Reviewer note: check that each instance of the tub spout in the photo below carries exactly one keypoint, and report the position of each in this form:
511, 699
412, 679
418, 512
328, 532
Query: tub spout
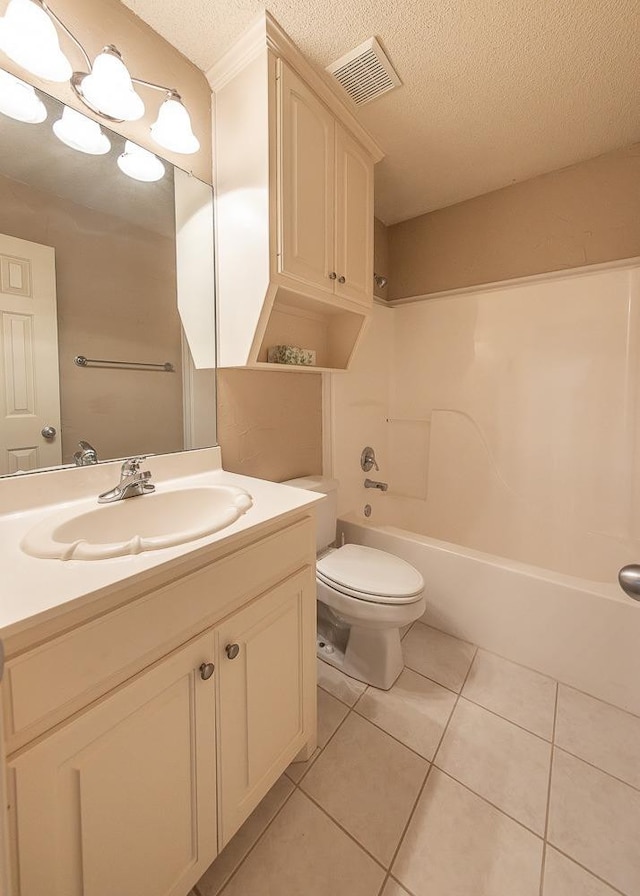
371, 483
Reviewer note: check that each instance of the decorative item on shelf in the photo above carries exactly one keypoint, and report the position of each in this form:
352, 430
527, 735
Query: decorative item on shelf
291, 354
29, 37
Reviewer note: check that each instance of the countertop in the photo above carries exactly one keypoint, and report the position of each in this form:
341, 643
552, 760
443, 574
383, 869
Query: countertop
34, 590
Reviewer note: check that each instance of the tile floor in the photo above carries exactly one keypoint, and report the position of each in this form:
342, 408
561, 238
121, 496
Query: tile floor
472, 776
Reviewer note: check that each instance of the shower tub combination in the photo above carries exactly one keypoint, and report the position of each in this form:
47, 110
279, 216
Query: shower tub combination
583, 633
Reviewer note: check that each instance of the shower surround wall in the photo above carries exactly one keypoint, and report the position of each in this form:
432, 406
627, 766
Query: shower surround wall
506, 420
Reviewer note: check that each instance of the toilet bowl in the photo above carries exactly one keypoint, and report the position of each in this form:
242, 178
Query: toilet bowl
365, 596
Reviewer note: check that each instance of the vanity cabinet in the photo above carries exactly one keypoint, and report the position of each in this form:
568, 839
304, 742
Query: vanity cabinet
325, 201
123, 798
189, 700
260, 698
294, 207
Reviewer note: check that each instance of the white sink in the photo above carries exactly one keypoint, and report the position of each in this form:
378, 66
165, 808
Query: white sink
144, 523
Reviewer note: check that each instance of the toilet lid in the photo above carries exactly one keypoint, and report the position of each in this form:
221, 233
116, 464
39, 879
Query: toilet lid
370, 574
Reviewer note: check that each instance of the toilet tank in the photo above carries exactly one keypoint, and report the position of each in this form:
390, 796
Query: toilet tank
326, 511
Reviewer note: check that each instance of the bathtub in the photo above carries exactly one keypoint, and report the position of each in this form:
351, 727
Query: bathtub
585, 634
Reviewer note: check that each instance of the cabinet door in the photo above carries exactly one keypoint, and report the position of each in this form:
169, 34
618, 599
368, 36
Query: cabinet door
306, 183
121, 800
354, 220
266, 696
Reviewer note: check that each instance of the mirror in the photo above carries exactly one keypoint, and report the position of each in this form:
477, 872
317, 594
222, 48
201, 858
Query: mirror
97, 265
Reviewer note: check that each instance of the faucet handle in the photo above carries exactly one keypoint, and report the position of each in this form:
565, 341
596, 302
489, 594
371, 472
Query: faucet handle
131, 465
368, 460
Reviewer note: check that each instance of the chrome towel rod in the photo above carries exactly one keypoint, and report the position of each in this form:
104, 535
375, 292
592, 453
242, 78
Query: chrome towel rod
166, 367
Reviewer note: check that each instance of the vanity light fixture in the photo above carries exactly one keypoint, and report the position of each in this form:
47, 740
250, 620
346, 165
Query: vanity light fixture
81, 133
19, 100
107, 88
139, 163
173, 126
28, 36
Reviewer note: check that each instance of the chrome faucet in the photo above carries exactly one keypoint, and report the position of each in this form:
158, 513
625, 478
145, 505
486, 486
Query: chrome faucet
133, 481
371, 483
86, 455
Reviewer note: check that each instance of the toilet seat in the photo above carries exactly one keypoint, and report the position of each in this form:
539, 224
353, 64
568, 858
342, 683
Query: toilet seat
370, 575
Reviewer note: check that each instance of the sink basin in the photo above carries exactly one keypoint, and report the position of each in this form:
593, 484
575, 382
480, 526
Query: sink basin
145, 523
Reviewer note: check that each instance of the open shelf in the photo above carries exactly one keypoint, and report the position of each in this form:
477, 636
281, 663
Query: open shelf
328, 328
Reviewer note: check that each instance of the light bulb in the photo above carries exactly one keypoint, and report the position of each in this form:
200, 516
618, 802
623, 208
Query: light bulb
108, 89
19, 100
28, 37
81, 133
139, 163
172, 130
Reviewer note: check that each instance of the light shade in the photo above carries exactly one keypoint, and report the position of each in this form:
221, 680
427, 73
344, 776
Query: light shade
81, 133
139, 163
29, 38
108, 89
172, 130
19, 100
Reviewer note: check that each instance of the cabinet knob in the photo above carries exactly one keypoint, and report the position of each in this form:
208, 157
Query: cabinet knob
206, 671
332, 275
341, 280
232, 651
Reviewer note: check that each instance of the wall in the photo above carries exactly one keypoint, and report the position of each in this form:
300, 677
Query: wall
585, 214
359, 407
148, 56
513, 420
270, 424
380, 257
121, 412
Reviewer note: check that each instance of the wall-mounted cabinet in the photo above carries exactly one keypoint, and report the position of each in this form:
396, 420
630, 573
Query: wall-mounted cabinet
294, 193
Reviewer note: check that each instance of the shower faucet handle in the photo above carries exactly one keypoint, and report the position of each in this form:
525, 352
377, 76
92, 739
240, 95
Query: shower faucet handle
368, 460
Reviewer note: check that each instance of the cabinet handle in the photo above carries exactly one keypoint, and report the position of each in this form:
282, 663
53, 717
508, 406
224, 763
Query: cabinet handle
332, 275
206, 671
232, 651
341, 280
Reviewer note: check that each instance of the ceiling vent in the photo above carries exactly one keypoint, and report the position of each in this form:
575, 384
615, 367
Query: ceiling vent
365, 73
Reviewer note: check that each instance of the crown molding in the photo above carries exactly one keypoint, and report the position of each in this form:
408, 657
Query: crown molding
266, 33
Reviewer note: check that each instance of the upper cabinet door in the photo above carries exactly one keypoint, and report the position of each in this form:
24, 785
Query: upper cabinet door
306, 183
354, 220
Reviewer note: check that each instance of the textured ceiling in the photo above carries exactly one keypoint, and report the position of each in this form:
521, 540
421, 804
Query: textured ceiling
495, 91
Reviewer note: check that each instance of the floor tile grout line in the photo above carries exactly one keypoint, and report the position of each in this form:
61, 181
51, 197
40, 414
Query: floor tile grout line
397, 739
352, 836
627, 712
507, 659
548, 808
433, 680
588, 870
335, 696
426, 777
253, 845
597, 768
546, 740
342, 828
295, 786
488, 802
448, 634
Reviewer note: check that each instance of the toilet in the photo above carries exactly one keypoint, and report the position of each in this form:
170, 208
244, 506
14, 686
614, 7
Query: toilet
365, 596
